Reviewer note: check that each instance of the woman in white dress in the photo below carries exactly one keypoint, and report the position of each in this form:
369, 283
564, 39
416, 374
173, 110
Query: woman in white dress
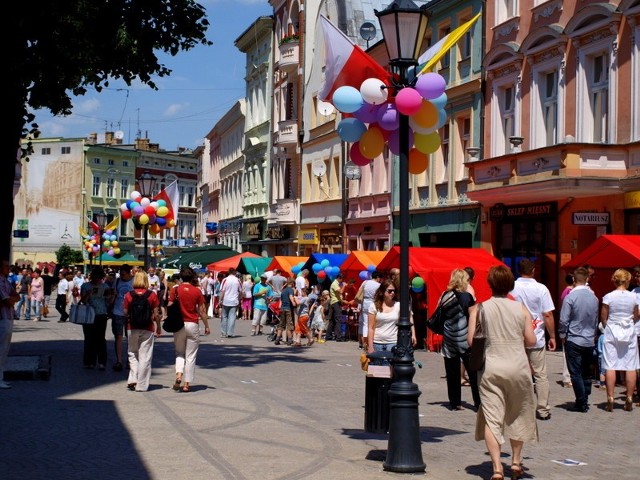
619, 314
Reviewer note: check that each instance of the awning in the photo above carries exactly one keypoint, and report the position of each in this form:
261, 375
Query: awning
198, 257
605, 255
231, 262
360, 260
254, 266
284, 263
435, 265
33, 258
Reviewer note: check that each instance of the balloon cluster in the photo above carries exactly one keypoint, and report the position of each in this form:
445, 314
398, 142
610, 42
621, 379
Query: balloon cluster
375, 119
366, 274
324, 270
145, 211
108, 243
417, 284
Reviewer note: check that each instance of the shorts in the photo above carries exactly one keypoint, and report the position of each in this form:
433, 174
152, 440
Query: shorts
259, 317
118, 324
246, 303
286, 320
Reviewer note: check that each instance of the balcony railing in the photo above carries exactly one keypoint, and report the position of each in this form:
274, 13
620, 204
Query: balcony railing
287, 132
289, 56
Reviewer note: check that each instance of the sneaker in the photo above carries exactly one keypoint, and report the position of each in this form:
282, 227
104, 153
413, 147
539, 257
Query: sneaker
321, 341
543, 417
5, 385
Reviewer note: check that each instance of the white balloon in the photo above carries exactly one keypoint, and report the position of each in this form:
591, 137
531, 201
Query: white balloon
135, 194
372, 91
124, 207
145, 202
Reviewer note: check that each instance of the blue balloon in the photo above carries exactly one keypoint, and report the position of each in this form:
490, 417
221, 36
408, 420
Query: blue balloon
325, 263
417, 290
347, 99
440, 101
295, 269
442, 118
371, 268
328, 269
363, 275
316, 267
351, 129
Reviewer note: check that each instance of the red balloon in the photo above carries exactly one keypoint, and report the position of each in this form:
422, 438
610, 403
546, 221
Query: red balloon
356, 155
149, 210
321, 275
126, 214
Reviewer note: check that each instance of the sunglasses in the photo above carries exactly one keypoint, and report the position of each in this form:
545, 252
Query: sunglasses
390, 290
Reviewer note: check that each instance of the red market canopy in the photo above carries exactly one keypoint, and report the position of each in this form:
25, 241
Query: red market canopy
231, 262
605, 255
285, 264
360, 260
434, 265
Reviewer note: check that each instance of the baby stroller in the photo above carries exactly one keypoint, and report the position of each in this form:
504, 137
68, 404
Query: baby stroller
273, 318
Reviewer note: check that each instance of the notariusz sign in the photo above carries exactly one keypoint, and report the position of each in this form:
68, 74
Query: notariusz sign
591, 218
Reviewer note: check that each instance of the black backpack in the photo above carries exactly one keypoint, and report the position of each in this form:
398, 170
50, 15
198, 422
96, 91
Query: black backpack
140, 310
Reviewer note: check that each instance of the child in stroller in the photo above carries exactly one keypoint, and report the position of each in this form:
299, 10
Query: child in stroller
273, 317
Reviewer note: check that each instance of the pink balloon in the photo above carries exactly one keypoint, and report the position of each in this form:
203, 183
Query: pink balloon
388, 118
356, 156
408, 101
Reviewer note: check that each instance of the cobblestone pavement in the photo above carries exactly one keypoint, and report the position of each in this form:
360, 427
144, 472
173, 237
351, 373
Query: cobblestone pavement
261, 411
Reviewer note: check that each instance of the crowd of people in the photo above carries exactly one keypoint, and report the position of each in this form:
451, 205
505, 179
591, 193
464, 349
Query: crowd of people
599, 336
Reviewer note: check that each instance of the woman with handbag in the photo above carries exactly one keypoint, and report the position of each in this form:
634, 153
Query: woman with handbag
454, 345
95, 293
187, 339
508, 403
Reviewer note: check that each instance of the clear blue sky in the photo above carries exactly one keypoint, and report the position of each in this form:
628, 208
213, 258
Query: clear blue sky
205, 83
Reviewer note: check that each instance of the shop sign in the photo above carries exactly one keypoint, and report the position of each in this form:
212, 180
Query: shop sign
277, 233
307, 237
330, 237
632, 200
253, 230
591, 218
511, 212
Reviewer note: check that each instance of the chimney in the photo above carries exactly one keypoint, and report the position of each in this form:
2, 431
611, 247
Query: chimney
93, 137
142, 144
108, 138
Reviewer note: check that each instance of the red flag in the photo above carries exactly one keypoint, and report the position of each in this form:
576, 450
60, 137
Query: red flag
346, 64
93, 225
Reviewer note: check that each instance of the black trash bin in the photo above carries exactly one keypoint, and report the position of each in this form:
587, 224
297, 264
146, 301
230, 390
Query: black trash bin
376, 399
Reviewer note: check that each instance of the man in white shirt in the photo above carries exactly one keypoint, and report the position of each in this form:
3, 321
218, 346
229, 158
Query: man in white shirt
230, 294
154, 280
302, 281
537, 298
63, 294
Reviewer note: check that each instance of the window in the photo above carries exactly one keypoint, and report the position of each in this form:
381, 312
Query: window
445, 61
598, 86
549, 101
111, 182
507, 113
190, 196
96, 186
46, 151
125, 163
444, 147
505, 10
124, 188
111, 162
65, 150
181, 189
465, 47
96, 160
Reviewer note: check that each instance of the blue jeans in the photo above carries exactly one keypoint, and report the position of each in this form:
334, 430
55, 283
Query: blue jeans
37, 308
26, 301
382, 347
228, 321
579, 364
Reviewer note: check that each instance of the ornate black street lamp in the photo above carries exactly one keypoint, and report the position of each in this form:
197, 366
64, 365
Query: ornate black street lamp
101, 221
146, 187
403, 26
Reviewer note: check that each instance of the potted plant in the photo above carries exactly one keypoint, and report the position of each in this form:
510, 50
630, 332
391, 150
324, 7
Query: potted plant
291, 38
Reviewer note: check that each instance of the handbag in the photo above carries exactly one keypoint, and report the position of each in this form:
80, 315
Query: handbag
476, 350
82, 314
174, 322
359, 298
436, 321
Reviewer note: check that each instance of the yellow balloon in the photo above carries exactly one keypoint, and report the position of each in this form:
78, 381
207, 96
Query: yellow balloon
143, 219
171, 223
427, 143
372, 143
162, 211
116, 251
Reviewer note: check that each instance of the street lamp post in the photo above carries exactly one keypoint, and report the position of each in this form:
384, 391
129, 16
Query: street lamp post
146, 186
403, 26
101, 221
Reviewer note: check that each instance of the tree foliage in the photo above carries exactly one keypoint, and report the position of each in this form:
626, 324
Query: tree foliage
65, 255
61, 48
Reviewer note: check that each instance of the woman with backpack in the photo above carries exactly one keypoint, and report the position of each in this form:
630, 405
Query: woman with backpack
141, 306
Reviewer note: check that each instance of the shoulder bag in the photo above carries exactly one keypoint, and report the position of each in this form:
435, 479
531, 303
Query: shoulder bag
359, 298
82, 314
174, 322
476, 350
436, 321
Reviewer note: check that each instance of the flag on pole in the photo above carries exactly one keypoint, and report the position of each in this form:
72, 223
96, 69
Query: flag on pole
93, 225
346, 64
171, 195
113, 224
429, 58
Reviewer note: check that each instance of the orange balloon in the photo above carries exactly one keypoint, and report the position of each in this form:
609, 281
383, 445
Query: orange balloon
427, 116
371, 143
418, 161
154, 229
